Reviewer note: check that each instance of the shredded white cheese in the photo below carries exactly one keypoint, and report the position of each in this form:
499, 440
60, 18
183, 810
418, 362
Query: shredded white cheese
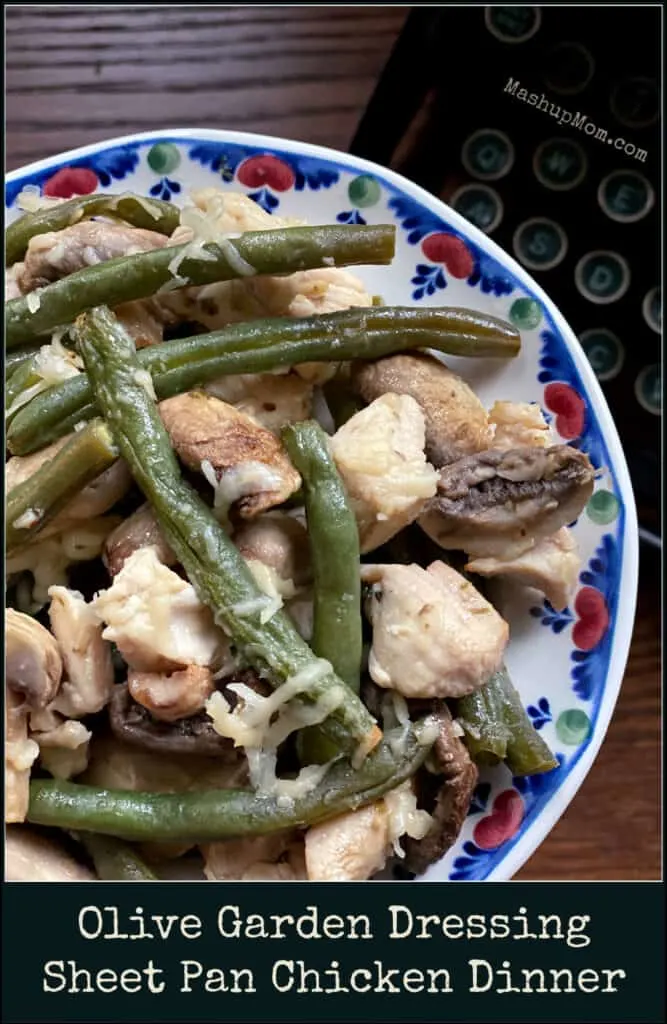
53, 364
404, 816
33, 301
30, 200
144, 378
29, 518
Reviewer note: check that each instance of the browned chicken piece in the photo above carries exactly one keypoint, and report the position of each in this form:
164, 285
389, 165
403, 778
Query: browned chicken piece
251, 468
518, 425
140, 530
31, 857
280, 542
86, 656
379, 453
95, 499
434, 635
57, 254
277, 857
449, 805
456, 421
551, 566
156, 619
499, 503
169, 697
272, 399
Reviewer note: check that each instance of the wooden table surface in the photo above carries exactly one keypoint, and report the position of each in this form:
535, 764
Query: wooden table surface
78, 75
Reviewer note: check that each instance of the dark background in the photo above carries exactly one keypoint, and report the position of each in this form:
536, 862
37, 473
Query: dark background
77, 75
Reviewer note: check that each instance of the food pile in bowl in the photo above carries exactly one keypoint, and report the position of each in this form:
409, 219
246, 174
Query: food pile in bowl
253, 524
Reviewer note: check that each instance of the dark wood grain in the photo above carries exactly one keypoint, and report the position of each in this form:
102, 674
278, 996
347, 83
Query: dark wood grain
77, 75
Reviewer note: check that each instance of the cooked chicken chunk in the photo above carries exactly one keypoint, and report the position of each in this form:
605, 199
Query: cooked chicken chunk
272, 399
143, 320
434, 635
86, 656
63, 750
156, 619
251, 468
20, 755
552, 567
58, 253
31, 857
349, 848
95, 499
499, 503
169, 697
456, 421
277, 857
140, 530
280, 542
379, 453
518, 425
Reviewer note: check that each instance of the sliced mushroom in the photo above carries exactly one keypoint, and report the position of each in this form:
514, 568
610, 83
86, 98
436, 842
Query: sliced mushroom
456, 421
272, 399
280, 542
251, 468
171, 697
434, 635
449, 805
33, 665
552, 567
115, 764
518, 425
86, 655
499, 503
58, 253
20, 755
156, 619
95, 499
31, 857
136, 726
379, 453
140, 530
277, 857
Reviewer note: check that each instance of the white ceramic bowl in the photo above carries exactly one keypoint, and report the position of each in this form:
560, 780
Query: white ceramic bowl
568, 666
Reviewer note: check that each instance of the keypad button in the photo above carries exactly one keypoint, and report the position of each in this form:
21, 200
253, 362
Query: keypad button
635, 102
487, 154
604, 351
513, 24
648, 389
625, 196
652, 310
540, 244
560, 164
479, 204
569, 68
602, 277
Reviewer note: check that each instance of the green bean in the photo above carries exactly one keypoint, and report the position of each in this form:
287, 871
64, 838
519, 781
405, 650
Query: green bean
17, 358
225, 813
138, 276
20, 382
497, 727
33, 503
334, 552
213, 564
115, 860
270, 344
153, 214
